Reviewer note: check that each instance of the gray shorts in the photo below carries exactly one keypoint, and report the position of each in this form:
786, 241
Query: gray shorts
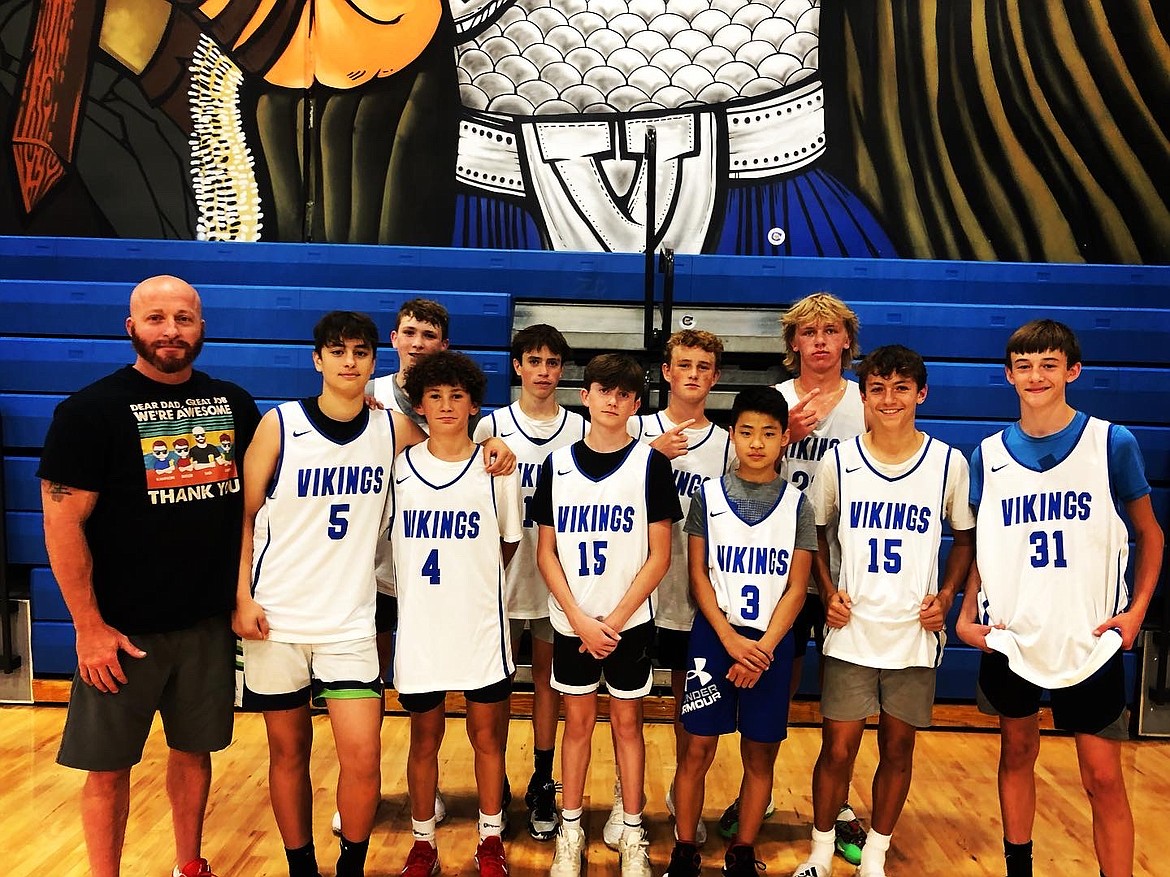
540, 628
852, 692
187, 675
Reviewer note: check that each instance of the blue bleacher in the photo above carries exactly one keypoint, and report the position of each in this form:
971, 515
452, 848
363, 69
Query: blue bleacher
63, 307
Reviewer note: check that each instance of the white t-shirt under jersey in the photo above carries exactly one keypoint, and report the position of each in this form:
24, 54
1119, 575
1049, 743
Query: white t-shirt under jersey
709, 455
449, 518
1051, 550
802, 459
313, 548
889, 518
531, 441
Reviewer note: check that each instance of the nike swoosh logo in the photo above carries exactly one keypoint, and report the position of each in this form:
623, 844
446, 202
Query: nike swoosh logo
1000, 466
717, 514
404, 478
507, 434
651, 435
566, 472
301, 433
849, 471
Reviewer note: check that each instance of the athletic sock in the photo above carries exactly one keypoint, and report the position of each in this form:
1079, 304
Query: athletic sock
1018, 858
352, 860
542, 765
491, 826
423, 830
824, 844
873, 854
572, 818
302, 862
632, 820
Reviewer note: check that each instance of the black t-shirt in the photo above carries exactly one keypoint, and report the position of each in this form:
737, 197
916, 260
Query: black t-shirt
165, 532
661, 494
340, 431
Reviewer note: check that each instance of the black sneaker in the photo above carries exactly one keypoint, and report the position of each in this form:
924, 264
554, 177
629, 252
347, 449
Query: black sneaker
850, 835
504, 800
541, 801
741, 861
684, 861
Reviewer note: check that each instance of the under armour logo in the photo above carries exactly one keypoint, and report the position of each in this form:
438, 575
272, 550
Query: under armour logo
698, 673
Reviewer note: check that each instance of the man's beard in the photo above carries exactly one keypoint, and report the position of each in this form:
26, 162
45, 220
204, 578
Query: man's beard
168, 365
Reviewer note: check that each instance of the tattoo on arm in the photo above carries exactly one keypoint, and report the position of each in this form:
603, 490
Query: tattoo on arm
57, 492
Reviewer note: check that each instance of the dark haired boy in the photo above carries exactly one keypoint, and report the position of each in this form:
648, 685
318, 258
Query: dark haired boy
1047, 599
533, 427
605, 506
751, 541
303, 525
420, 329
885, 495
455, 528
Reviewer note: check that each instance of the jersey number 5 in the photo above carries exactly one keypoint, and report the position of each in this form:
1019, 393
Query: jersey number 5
338, 523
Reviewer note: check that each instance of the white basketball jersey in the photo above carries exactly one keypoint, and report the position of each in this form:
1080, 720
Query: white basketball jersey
313, 549
749, 563
803, 458
1051, 550
890, 530
602, 534
846, 420
708, 455
448, 522
531, 441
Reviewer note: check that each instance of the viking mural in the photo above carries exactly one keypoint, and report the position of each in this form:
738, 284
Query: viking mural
1006, 130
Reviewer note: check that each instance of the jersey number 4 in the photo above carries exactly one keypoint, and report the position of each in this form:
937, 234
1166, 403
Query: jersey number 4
430, 567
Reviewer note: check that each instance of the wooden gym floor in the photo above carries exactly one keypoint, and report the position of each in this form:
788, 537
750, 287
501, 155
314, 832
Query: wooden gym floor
950, 824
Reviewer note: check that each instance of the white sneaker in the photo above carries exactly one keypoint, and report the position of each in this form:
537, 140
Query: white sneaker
616, 823
633, 853
700, 829
812, 869
569, 852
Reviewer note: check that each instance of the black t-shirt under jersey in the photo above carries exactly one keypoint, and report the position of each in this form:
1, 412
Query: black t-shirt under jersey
165, 532
340, 431
661, 494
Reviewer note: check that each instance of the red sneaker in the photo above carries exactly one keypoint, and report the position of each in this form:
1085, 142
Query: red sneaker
489, 857
194, 868
423, 860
